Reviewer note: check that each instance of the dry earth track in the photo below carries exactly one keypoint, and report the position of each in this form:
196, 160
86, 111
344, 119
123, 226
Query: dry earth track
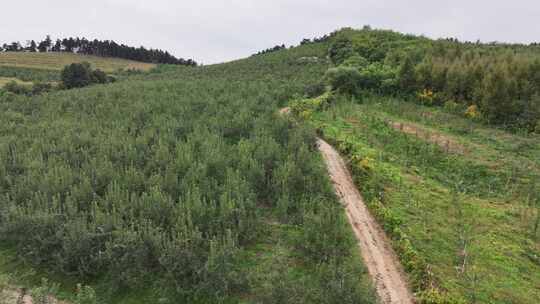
379, 257
375, 247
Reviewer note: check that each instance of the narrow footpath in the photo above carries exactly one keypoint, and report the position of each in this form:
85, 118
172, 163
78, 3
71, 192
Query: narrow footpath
379, 257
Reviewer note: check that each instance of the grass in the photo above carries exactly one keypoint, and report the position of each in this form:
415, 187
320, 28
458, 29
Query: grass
4, 80
466, 215
56, 61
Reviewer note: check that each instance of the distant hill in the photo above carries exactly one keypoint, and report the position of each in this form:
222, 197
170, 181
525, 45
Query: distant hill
101, 48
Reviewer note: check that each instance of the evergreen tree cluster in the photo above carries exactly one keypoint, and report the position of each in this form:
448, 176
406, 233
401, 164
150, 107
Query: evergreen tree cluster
501, 80
105, 48
324, 38
272, 49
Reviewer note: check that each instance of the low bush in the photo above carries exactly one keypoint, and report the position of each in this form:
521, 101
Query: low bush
78, 75
345, 80
19, 89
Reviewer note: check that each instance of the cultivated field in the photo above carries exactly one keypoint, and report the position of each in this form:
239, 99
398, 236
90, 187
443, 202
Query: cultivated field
4, 80
56, 61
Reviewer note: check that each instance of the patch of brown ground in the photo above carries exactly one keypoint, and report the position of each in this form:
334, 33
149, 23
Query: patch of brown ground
445, 142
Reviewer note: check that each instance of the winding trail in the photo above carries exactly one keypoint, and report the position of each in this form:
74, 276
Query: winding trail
379, 257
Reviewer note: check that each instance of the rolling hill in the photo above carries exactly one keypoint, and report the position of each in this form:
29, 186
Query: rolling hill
186, 184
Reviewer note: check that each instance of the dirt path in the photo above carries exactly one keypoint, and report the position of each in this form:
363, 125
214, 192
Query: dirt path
380, 259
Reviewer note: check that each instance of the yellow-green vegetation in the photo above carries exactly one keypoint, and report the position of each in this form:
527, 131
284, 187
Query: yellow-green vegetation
57, 61
465, 225
5, 80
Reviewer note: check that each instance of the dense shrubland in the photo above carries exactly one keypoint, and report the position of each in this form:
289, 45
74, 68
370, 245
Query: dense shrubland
500, 82
184, 180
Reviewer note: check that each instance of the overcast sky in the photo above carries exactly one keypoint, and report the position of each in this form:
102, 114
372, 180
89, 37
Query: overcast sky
211, 31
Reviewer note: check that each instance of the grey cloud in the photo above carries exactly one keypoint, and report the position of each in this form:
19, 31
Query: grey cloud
219, 30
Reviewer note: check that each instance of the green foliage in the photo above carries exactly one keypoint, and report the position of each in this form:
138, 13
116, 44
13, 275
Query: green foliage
500, 79
78, 75
16, 88
29, 74
85, 295
340, 49
305, 107
450, 246
98, 76
406, 76
344, 80
356, 61
166, 181
44, 294
28, 90
326, 236
378, 78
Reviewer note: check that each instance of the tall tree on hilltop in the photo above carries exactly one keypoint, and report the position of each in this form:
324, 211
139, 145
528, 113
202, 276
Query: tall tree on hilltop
32, 47
45, 45
406, 75
57, 46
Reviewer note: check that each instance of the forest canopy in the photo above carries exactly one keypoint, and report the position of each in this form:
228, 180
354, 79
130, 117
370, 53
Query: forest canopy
498, 83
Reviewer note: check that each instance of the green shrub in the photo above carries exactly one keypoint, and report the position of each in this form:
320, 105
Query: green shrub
326, 235
41, 87
379, 78
16, 88
344, 80
98, 76
314, 90
76, 75
340, 50
45, 293
85, 295
356, 61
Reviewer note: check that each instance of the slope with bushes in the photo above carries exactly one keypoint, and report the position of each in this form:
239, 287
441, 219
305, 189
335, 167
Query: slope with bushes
180, 185
499, 82
449, 166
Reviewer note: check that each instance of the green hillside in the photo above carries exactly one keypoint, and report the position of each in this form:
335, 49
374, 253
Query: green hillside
182, 185
185, 185
449, 165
